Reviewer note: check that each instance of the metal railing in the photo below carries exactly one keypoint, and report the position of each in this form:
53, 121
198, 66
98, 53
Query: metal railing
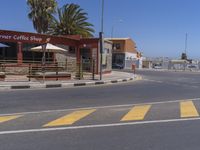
35, 69
50, 70
85, 69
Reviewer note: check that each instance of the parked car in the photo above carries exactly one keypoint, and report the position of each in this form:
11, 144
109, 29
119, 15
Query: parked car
157, 66
192, 66
117, 66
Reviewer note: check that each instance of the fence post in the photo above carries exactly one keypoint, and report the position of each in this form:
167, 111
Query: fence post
79, 70
29, 72
66, 67
43, 72
1, 68
56, 71
93, 69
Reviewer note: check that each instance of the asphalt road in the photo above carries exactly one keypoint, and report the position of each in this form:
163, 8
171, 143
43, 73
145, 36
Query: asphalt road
156, 86
29, 118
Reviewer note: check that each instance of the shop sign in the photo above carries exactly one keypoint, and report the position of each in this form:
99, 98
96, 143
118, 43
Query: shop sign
19, 38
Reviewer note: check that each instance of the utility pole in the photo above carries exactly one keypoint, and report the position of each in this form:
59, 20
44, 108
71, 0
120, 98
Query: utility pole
186, 38
101, 39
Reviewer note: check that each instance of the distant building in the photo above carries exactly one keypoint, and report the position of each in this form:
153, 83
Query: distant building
125, 52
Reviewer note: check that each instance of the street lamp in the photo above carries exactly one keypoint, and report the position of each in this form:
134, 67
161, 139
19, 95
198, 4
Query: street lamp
186, 39
113, 27
101, 39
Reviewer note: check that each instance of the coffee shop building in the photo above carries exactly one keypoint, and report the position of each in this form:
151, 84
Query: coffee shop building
79, 50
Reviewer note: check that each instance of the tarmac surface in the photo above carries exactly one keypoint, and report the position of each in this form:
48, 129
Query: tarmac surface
161, 111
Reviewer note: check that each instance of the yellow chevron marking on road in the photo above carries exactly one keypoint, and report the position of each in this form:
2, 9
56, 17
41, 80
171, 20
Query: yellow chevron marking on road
8, 118
70, 118
188, 109
136, 113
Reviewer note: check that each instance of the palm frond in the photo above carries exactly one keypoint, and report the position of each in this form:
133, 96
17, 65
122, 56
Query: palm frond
71, 20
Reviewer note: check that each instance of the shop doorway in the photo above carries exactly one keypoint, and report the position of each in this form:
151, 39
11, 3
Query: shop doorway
86, 59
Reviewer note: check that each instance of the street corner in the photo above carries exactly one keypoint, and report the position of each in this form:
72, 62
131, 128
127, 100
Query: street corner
111, 81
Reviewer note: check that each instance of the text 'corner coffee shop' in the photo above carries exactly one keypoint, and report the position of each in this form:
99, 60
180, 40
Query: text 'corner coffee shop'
17, 47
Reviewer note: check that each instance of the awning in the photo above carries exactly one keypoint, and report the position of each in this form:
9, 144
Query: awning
3, 45
49, 48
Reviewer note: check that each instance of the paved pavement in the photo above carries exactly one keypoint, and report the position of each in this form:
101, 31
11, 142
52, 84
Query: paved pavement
18, 82
159, 112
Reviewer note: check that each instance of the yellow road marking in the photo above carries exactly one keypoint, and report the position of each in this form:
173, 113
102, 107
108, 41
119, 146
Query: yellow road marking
8, 118
139, 78
70, 118
136, 113
188, 109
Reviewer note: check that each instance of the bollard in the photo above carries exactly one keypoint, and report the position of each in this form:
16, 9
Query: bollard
133, 68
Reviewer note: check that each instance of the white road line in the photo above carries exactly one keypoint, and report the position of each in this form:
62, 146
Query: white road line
95, 126
177, 84
153, 80
101, 107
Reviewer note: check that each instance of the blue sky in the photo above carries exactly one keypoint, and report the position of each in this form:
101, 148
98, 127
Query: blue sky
157, 26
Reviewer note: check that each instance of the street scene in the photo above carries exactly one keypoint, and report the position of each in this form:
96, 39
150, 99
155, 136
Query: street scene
99, 75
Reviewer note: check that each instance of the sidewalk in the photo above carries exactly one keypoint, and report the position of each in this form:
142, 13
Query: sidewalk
114, 77
171, 70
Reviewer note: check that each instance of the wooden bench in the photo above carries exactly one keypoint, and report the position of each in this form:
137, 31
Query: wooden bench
51, 76
34, 69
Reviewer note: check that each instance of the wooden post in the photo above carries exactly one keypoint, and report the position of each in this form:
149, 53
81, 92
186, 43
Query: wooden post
93, 69
19, 53
56, 71
29, 72
78, 63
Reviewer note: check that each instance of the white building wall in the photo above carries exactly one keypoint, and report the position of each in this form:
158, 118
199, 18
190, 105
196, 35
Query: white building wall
131, 58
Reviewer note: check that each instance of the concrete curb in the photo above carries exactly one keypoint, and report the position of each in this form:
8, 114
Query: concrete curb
68, 85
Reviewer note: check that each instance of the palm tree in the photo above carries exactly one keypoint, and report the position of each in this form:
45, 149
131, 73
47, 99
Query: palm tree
41, 13
71, 20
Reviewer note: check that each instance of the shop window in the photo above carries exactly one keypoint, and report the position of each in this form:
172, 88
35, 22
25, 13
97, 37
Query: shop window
116, 46
27, 46
106, 50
